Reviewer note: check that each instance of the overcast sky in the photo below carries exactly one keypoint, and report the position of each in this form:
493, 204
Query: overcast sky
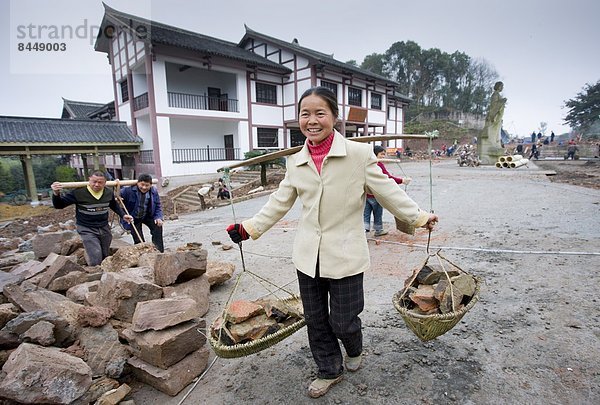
545, 51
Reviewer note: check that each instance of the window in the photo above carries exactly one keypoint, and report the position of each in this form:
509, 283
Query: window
297, 138
124, 91
329, 85
266, 93
376, 101
267, 137
354, 96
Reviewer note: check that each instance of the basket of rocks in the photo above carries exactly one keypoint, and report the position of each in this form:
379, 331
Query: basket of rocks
247, 327
436, 297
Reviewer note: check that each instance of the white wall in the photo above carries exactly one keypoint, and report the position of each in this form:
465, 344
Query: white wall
125, 112
195, 133
145, 132
376, 117
159, 74
266, 115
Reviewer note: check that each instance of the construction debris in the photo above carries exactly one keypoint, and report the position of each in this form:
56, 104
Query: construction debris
138, 314
435, 290
248, 321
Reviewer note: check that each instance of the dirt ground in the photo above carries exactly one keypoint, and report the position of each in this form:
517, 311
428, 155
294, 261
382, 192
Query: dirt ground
533, 337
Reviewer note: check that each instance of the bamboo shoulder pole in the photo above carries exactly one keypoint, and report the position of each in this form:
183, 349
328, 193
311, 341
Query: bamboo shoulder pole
285, 152
111, 183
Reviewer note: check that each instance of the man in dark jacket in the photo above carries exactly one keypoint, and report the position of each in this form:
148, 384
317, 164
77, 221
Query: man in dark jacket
91, 214
143, 203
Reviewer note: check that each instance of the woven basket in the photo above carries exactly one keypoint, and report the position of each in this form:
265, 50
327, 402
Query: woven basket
428, 327
255, 346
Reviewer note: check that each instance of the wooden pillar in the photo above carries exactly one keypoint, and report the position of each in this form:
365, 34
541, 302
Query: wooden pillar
96, 159
86, 172
26, 162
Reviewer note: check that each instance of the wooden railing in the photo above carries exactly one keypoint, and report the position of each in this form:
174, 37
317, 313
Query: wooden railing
207, 154
198, 102
140, 102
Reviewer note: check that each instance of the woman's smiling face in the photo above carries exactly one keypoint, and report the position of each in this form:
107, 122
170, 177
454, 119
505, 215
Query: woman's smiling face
316, 119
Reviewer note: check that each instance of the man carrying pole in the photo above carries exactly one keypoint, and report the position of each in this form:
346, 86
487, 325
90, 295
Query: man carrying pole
143, 203
91, 214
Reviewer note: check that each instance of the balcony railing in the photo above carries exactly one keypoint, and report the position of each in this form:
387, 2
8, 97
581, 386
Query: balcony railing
140, 102
147, 156
197, 102
207, 154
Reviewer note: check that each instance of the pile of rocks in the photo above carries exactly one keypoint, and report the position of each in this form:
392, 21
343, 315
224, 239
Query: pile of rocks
247, 321
435, 291
71, 333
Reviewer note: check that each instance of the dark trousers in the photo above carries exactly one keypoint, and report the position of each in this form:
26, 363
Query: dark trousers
155, 231
96, 242
331, 309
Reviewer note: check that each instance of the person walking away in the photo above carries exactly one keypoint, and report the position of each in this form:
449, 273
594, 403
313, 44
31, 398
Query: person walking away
91, 214
329, 176
203, 194
143, 203
371, 205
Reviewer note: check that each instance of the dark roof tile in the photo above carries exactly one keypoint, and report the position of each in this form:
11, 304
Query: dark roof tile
64, 131
320, 57
78, 109
164, 34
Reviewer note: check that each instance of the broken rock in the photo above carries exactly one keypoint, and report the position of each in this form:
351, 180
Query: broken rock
42, 375
166, 347
172, 380
162, 313
171, 267
121, 293
198, 289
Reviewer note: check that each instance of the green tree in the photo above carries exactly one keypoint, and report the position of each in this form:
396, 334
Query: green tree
44, 169
436, 79
16, 172
65, 173
7, 182
374, 63
584, 111
402, 62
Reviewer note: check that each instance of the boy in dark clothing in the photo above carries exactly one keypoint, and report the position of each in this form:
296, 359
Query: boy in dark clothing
143, 203
91, 214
